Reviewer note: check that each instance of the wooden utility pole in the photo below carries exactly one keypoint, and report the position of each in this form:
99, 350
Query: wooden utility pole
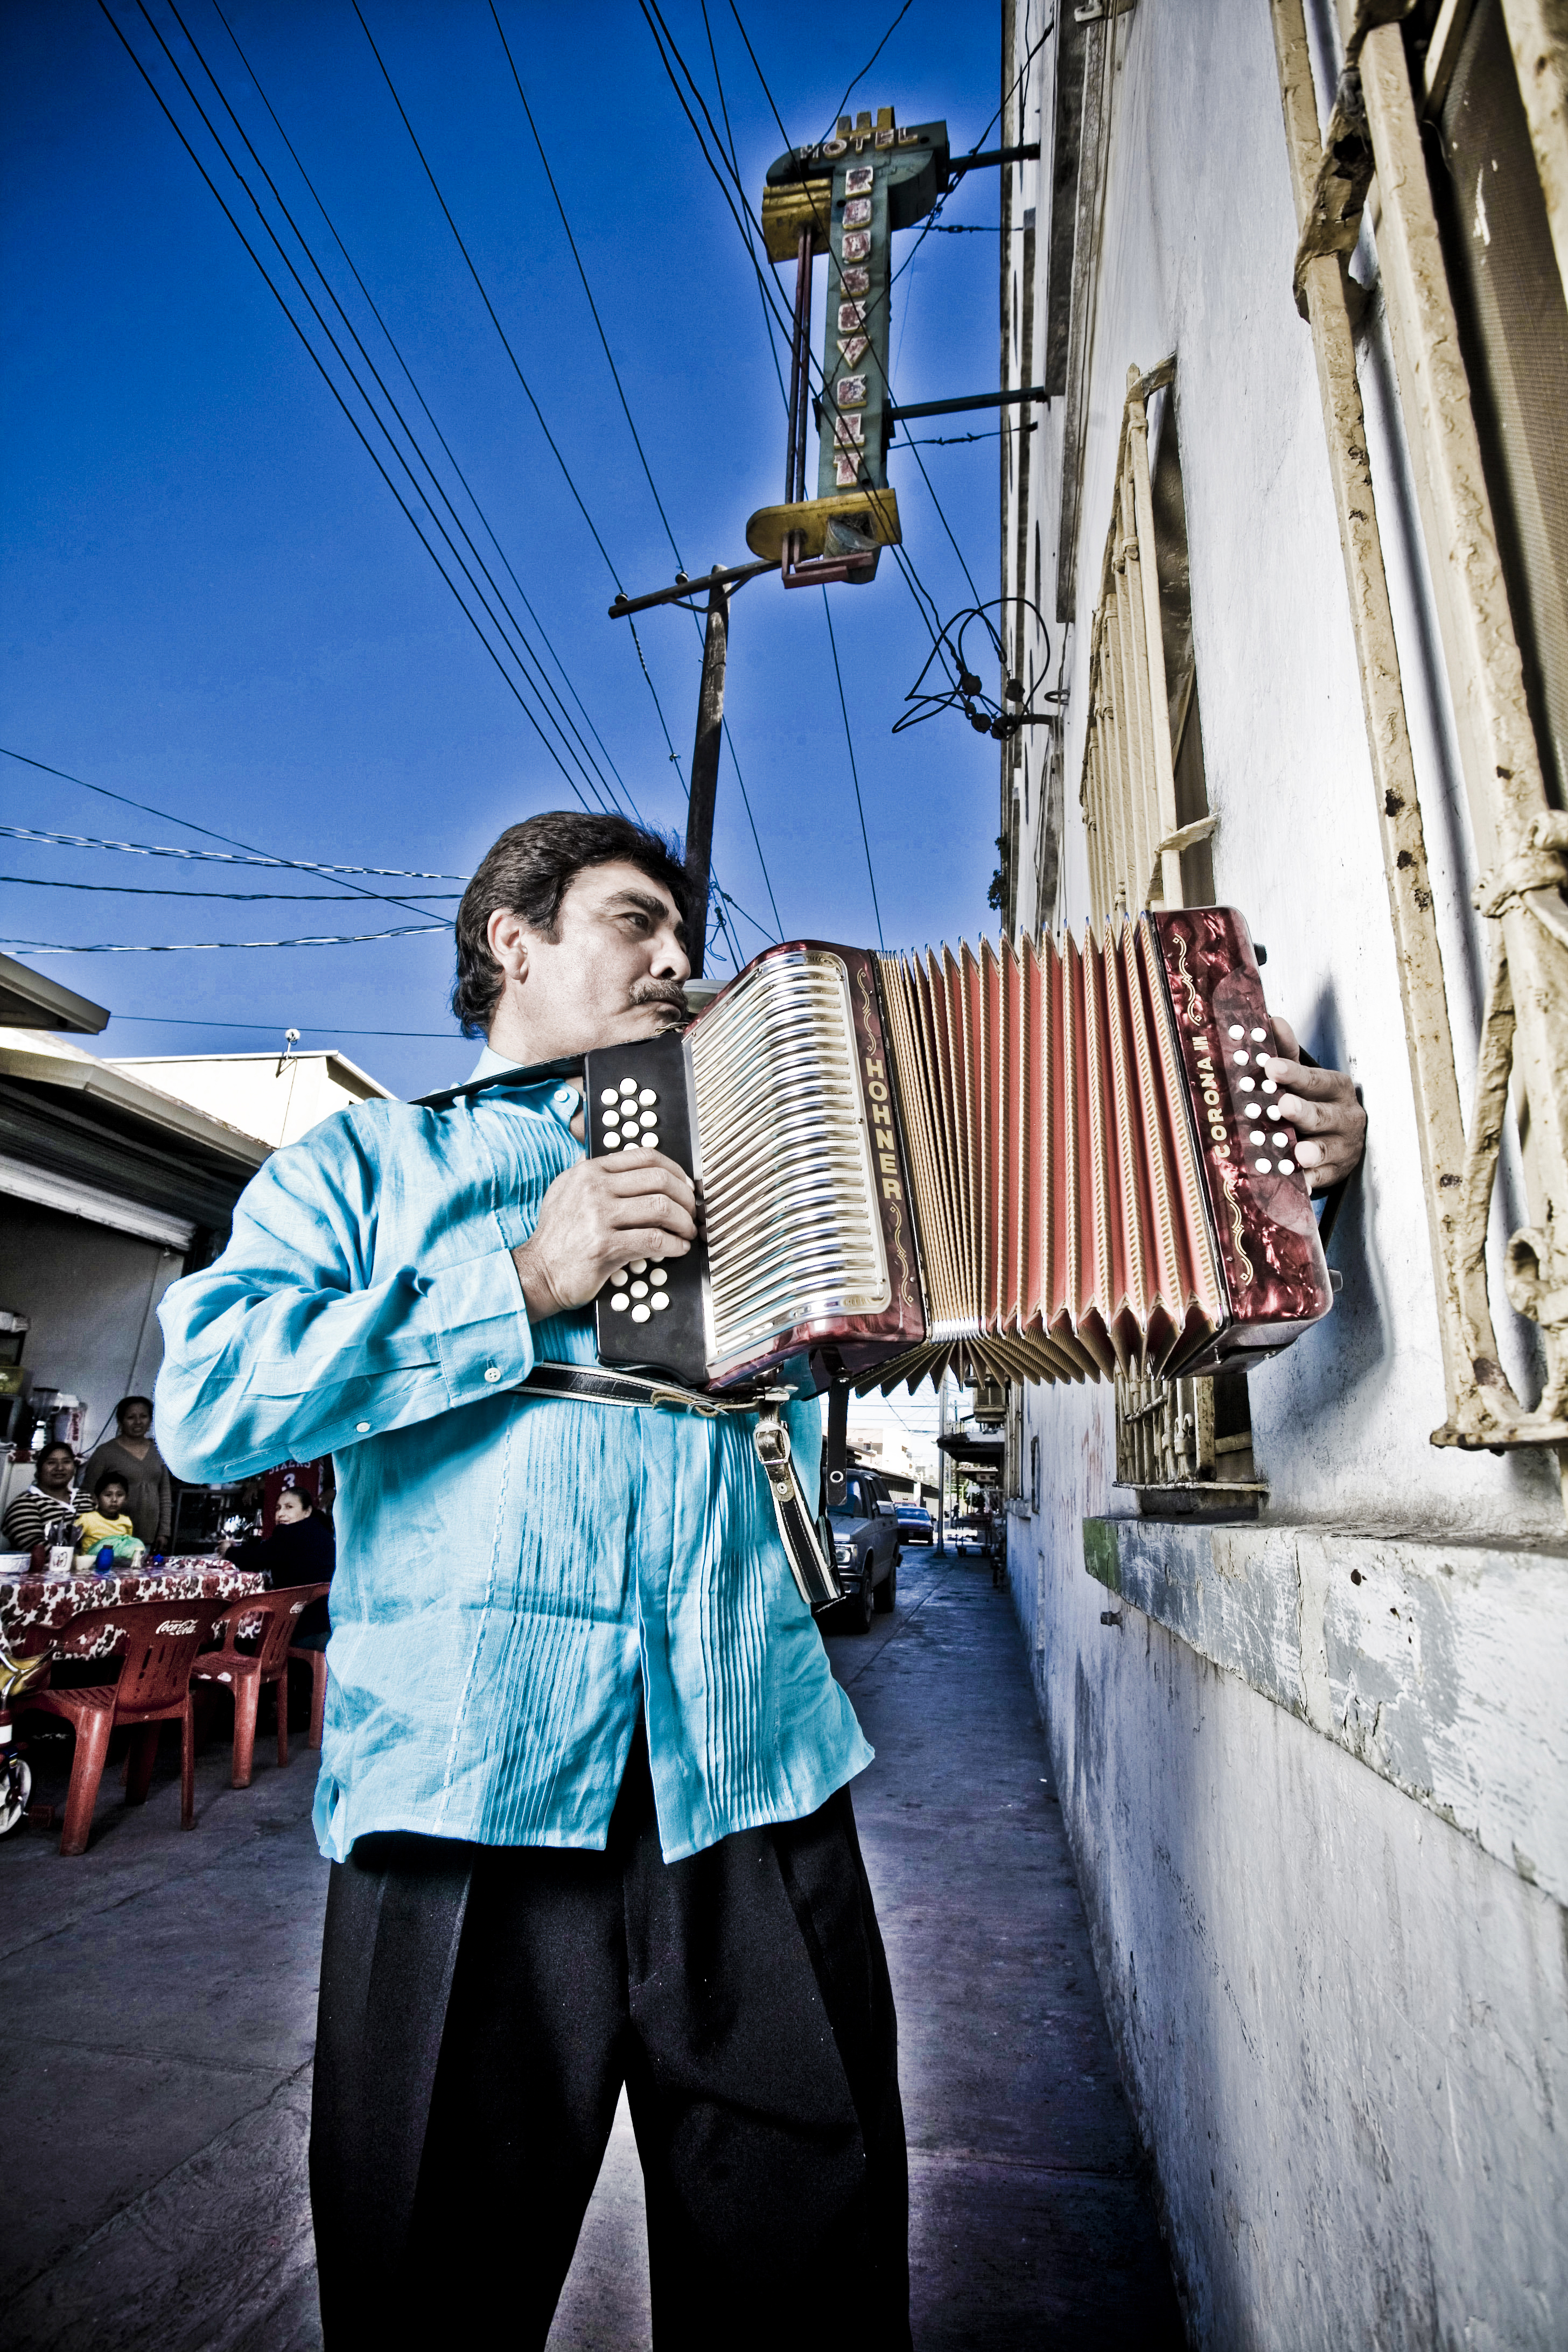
705, 767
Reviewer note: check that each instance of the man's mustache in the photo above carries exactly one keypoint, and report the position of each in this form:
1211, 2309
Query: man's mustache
660, 992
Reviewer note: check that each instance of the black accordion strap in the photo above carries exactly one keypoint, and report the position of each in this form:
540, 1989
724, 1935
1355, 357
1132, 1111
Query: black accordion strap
809, 1555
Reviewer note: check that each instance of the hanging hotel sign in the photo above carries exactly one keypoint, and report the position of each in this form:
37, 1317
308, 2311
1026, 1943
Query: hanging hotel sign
844, 197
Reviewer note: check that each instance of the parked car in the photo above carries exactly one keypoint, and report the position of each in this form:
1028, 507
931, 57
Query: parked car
915, 1524
866, 1549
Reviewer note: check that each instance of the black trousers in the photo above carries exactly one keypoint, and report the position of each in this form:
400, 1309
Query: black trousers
480, 2009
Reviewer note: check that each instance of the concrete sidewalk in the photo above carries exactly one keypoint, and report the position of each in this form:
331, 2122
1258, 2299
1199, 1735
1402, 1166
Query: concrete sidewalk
160, 1997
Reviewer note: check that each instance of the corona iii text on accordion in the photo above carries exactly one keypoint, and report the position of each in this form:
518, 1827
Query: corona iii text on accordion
1043, 1161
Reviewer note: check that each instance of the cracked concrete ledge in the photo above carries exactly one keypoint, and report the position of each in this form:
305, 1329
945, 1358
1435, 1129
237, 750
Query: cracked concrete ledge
149, 2282
1439, 1664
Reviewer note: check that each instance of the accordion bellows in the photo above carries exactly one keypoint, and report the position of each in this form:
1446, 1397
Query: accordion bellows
1088, 1202
1043, 1161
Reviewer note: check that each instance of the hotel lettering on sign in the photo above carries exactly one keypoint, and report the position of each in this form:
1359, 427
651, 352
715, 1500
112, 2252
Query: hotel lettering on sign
864, 183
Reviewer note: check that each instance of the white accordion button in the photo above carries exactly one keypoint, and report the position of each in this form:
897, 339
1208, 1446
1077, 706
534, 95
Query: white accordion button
1236, 1029
659, 1299
1264, 1167
1287, 1168
1241, 1057
628, 1086
612, 1140
1260, 1036
658, 1278
638, 1265
1269, 1088
1246, 1085
619, 1301
609, 1096
639, 1314
648, 1096
1281, 1142
639, 1291
1259, 1136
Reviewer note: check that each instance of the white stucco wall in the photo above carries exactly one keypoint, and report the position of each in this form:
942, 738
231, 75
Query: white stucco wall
1342, 2022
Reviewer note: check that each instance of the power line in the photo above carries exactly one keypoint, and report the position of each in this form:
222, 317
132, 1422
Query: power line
245, 898
854, 771
325, 375
419, 396
294, 865
866, 68
204, 946
270, 1028
209, 857
519, 651
761, 76
587, 290
933, 221
506, 345
484, 296
637, 439
742, 218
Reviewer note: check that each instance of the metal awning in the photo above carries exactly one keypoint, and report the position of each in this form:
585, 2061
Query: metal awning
979, 1457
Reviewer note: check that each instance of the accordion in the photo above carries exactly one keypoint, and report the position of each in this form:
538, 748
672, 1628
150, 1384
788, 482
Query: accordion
1040, 1161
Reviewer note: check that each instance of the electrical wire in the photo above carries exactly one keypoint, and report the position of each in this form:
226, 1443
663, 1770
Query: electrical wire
604, 339
271, 1028
327, 378
245, 898
212, 857
204, 946
413, 385
292, 865
484, 296
519, 651
512, 355
637, 439
742, 218
854, 771
859, 78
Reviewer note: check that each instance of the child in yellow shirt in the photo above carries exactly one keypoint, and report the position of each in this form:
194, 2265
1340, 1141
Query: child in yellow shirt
108, 1522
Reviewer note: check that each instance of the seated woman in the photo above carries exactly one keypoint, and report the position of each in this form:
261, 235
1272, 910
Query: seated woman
44, 1511
108, 1523
302, 1549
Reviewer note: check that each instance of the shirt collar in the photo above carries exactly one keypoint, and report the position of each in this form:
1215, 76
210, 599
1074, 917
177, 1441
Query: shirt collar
562, 1098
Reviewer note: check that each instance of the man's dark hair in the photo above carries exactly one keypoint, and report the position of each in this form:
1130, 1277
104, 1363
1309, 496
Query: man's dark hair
528, 873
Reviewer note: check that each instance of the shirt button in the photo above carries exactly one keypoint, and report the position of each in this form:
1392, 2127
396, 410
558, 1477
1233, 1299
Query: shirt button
492, 1374
362, 1426
563, 1095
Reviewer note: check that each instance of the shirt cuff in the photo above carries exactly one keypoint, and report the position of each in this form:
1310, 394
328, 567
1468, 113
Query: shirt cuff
479, 1321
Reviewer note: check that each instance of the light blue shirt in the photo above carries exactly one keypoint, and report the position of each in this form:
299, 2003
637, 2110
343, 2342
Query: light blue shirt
515, 1576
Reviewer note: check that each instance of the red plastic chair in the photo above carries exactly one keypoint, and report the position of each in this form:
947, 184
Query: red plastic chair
246, 1672
317, 1662
158, 1642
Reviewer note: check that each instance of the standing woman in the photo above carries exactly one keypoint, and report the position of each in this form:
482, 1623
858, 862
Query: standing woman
134, 1457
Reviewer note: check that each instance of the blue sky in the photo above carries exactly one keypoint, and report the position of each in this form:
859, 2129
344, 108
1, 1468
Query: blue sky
212, 604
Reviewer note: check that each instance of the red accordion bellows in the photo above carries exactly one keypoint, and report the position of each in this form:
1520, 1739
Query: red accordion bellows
1079, 1126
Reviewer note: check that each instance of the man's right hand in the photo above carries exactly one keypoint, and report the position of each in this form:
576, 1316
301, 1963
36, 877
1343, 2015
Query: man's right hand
595, 1219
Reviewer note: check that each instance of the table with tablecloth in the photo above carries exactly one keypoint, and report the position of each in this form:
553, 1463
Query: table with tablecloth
32, 1607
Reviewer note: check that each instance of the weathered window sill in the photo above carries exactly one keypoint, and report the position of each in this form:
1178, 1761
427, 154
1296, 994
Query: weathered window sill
1440, 1665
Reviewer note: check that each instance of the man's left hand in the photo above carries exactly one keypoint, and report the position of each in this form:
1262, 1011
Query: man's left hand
1321, 1105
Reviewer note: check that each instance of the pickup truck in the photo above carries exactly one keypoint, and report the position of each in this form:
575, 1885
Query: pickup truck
866, 1549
